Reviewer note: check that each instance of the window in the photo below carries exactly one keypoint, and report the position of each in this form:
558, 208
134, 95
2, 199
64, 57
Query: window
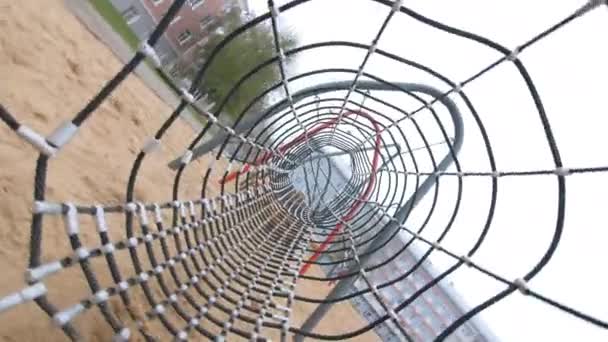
130, 15
195, 3
206, 22
184, 37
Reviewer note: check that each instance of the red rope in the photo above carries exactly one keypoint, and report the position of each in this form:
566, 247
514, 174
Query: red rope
358, 202
355, 207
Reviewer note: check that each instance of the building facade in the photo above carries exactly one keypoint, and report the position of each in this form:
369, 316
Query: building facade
189, 30
432, 311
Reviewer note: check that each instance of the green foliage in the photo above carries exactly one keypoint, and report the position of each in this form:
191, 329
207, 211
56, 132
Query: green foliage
237, 58
113, 17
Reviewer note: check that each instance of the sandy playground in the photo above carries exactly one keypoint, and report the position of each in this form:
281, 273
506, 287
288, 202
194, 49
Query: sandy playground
50, 65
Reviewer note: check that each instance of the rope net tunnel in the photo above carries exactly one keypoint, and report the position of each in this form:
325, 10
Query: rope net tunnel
325, 194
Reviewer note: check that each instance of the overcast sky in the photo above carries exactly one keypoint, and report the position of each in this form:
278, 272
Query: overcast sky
570, 72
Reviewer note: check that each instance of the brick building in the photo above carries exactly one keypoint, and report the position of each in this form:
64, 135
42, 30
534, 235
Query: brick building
190, 29
428, 315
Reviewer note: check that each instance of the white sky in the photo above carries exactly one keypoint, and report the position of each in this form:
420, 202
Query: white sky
570, 72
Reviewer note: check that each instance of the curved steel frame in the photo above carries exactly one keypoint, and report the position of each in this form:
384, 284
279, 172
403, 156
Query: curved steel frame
343, 285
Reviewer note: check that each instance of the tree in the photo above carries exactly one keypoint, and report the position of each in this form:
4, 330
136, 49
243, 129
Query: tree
237, 58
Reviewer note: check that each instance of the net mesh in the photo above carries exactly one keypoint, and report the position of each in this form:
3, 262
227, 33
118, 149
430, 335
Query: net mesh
320, 187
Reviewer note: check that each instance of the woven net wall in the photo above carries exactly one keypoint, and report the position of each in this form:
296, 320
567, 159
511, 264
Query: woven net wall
322, 187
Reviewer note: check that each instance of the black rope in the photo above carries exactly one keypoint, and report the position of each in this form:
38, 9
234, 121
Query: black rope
234, 259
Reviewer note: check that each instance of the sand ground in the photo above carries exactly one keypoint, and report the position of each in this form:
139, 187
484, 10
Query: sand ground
50, 65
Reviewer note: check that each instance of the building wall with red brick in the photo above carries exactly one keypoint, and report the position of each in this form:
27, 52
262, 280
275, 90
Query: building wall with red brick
189, 19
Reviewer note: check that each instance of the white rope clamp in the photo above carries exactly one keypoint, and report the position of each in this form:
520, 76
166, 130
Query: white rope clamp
151, 145
186, 96
173, 298
158, 217
393, 315
122, 336
71, 220
158, 269
159, 309
62, 134
42, 207
562, 171
467, 261
81, 253
100, 219
522, 286
150, 53
143, 215
36, 140
108, 248
42, 271
373, 48
211, 117
63, 317
123, 286
375, 290
143, 277
191, 208
130, 207
513, 55
100, 297
132, 242
25, 295
182, 335
457, 88
186, 157
281, 54
229, 130
274, 10
397, 5
436, 245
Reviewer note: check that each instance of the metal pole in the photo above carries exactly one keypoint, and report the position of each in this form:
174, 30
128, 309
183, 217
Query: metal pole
345, 284
251, 121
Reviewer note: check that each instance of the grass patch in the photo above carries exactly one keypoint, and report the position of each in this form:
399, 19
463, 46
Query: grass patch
115, 19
